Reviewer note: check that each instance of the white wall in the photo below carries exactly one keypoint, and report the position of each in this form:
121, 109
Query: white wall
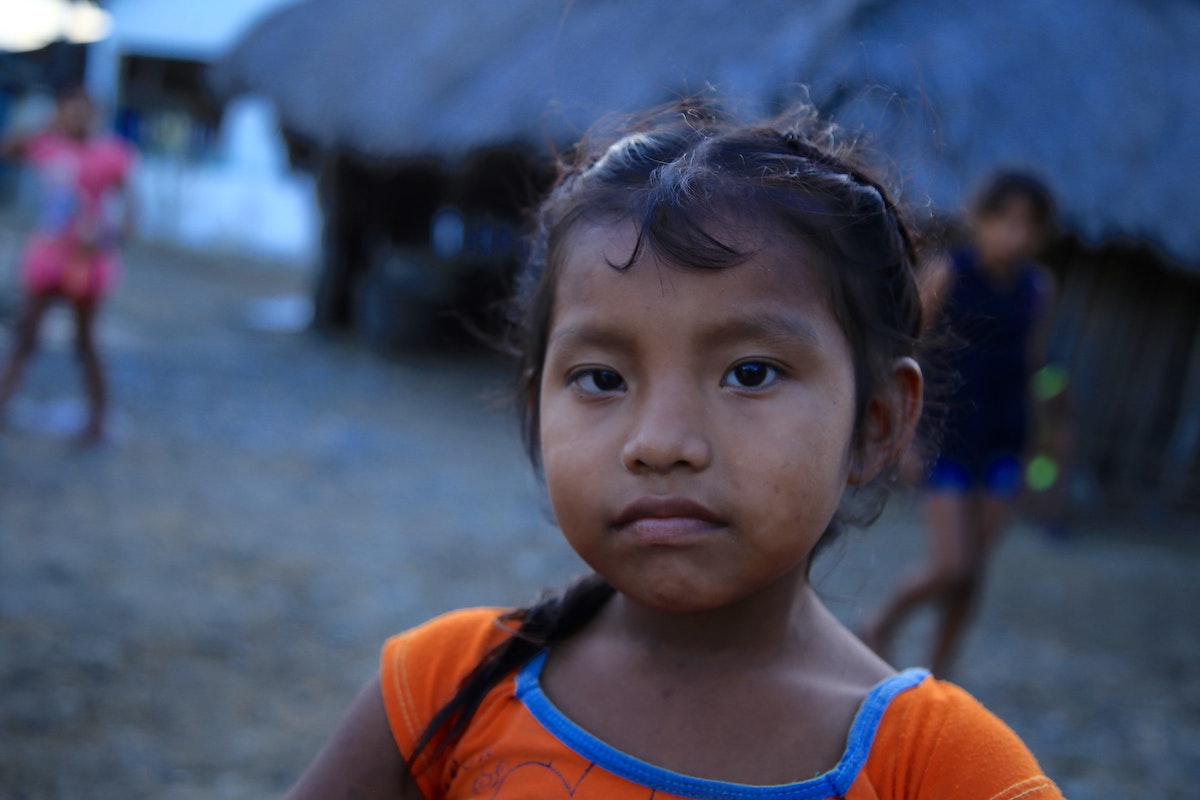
247, 201
244, 201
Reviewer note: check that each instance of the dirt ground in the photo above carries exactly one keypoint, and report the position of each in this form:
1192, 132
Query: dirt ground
185, 612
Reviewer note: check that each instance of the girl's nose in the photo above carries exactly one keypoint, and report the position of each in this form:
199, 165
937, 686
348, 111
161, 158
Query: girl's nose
668, 434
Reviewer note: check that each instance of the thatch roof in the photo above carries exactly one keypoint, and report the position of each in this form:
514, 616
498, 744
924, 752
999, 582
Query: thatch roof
1100, 96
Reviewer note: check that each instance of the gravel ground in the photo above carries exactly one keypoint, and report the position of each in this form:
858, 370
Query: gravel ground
185, 612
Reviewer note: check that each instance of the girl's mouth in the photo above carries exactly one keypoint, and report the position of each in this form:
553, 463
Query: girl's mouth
666, 520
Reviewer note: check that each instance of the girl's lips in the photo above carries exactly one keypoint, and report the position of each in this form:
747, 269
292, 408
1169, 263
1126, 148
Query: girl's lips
666, 520
668, 530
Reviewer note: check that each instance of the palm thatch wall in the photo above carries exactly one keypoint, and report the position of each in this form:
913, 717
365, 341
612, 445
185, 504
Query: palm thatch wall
1129, 332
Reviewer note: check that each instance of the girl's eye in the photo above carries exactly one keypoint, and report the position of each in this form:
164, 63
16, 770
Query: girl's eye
598, 381
751, 375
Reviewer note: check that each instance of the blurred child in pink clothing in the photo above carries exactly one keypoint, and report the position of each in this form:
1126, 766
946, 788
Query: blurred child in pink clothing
83, 213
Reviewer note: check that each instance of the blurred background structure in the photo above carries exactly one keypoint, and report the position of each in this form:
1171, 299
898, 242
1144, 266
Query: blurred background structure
428, 126
394, 146
214, 174
375, 158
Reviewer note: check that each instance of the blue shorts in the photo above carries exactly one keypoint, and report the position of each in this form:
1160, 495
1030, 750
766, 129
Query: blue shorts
1001, 475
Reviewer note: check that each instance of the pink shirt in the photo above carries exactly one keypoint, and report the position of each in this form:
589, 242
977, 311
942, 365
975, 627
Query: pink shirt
73, 249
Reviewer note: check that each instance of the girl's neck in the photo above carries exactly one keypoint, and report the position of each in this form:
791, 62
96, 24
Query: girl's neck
74, 134
763, 624
999, 274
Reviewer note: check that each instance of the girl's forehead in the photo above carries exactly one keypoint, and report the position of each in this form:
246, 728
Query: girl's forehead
598, 289
1014, 207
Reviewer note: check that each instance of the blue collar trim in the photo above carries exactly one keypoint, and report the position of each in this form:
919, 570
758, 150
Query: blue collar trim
834, 783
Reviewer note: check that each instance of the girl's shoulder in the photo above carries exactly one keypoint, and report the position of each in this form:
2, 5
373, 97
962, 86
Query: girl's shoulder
458, 639
940, 735
962, 257
453, 626
1039, 280
111, 152
45, 145
114, 145
421, 669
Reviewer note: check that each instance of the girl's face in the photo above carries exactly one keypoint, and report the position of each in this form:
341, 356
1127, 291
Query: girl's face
696, 425
1009, 235
75, 115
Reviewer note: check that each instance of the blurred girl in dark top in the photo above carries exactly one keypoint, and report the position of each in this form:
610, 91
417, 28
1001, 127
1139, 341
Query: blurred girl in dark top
993, 298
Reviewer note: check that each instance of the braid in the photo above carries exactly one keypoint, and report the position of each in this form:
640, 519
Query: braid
551, 620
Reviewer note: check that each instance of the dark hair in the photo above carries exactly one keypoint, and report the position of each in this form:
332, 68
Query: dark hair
1006, 186
678, 176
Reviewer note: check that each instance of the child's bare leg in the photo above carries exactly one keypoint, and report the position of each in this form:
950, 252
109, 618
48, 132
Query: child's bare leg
990, 515
956, 613
25, 344
93, 372
946, 521
995, 512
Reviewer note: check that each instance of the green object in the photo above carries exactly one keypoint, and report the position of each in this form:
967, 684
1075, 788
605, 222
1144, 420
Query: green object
1041, 473
1050, 381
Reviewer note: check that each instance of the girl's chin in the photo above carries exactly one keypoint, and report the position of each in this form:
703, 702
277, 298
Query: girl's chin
701, 595
682, 600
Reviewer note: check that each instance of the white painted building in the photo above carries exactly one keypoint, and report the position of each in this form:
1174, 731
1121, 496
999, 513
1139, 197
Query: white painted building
217, 180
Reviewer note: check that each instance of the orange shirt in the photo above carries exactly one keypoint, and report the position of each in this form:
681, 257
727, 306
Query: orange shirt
913, 737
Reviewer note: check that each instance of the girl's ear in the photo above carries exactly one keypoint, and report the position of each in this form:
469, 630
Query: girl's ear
891, 421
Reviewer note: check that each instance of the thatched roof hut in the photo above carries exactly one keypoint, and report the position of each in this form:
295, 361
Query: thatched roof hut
1101, 96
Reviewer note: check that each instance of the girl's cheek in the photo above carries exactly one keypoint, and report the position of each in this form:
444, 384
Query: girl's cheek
560, 452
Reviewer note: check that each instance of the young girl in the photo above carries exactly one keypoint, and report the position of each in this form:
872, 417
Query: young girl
993, 298
717, 326
72, 254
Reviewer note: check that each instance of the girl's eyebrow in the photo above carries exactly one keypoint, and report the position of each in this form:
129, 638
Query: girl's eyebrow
769, 328
589, 335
